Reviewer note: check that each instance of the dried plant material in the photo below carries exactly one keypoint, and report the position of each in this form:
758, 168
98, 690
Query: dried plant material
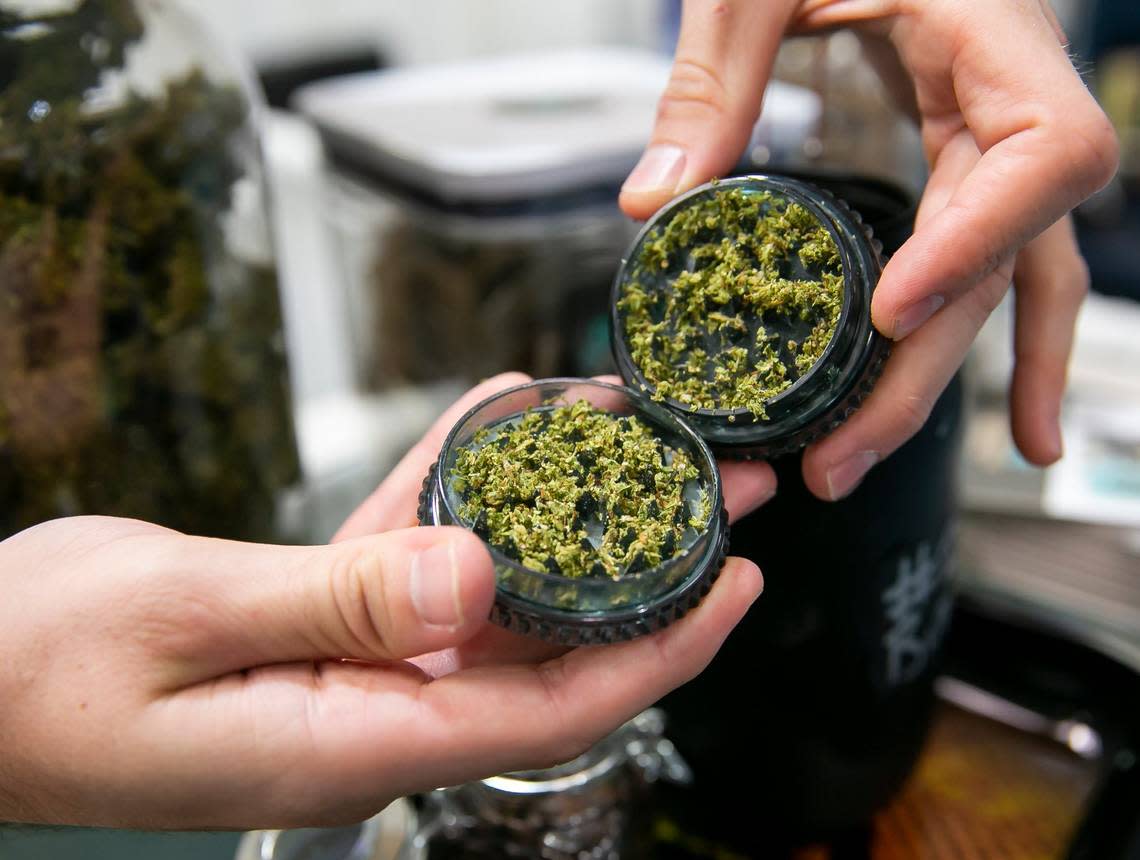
142, 372
577, 491
731, 300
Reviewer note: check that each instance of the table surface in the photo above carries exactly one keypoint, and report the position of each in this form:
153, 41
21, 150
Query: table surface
983, 790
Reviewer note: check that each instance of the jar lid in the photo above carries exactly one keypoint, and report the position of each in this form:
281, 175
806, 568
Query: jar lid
514, 128
640, 741
744, 306
606, 520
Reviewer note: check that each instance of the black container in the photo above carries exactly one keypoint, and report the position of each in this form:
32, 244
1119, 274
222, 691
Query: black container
815, 709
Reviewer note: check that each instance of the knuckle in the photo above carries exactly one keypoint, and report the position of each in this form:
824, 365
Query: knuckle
693, 86
359, 603
565, 741
977, 256
1090, 139
912, 410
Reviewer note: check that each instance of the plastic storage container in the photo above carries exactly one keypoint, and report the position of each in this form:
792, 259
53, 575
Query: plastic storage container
142, 370
474, 207
590, 609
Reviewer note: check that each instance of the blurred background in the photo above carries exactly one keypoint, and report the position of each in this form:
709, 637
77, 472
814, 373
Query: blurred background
441, 182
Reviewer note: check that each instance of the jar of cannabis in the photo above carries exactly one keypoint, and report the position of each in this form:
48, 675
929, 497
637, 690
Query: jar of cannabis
479, 198
745, 306
603, 512
600, 805
142, 371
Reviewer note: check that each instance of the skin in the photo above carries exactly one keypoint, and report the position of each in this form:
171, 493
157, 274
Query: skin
158, 680
1014, 142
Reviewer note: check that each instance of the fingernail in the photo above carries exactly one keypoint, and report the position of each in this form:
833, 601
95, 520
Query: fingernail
435, 586
844, 477
660, 168
914, 316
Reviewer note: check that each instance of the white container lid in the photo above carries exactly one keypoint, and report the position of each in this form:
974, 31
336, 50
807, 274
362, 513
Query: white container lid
501, 129
521, 127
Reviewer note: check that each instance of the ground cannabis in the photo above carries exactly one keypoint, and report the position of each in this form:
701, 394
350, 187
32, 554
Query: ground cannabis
732, 300
141, 365
577, 491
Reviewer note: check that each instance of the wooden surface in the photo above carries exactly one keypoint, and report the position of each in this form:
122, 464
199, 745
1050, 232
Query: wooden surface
982, 791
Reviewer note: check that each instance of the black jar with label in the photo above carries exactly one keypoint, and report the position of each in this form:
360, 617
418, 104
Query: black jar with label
816, 707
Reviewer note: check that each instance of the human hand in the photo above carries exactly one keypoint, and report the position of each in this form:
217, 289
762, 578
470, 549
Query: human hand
1014, 141
157, 680
394, 505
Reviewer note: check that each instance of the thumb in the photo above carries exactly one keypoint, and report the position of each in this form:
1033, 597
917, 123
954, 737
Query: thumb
385, 597
705, 116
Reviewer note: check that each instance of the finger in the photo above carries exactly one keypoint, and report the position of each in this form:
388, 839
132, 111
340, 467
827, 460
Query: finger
560, 707
903, 397
1046, 146
480, 722
491, 646
1051, 281
324, 743
747, 486
705, 116
393, 504
328, 742
385, 597
919, 369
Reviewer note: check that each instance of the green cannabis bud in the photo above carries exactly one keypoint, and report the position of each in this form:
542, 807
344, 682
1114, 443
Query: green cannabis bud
142, 371
715, 292
580, 492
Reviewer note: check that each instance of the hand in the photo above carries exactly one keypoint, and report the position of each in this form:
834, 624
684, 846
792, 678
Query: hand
394, 506
152, 679
1014, 141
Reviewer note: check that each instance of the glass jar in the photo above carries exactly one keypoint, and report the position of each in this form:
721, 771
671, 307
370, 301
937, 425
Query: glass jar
598, 806
474, 209
142, 365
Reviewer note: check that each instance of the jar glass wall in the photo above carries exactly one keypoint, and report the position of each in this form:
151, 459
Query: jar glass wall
142, 367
